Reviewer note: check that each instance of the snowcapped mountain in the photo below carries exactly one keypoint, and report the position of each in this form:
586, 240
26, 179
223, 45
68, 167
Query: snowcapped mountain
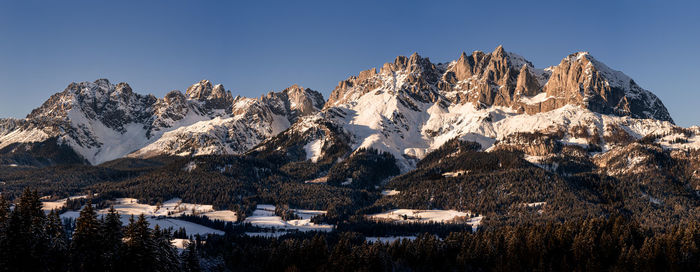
408, 108
250, 122
101, 121
412, 106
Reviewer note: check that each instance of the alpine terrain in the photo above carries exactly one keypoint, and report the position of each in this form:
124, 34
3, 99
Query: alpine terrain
481, 163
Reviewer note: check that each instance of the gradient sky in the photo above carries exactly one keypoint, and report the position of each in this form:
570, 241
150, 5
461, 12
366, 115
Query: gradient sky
252, 48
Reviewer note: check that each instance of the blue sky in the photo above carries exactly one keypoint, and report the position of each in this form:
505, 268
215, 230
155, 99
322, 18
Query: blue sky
253, 47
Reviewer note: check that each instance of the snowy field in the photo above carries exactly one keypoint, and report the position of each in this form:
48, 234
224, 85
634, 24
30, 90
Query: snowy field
264, 217
171, 208
58, 204
163, 222
428, 216
162, 216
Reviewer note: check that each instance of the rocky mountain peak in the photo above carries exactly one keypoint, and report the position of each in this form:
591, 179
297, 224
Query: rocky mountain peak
174, 96
205, 90
499, 51
214, 96
292, 102
124, 88
412, 64
304, 100
200, 91
487, 79
580, 79
412, 76
102, 82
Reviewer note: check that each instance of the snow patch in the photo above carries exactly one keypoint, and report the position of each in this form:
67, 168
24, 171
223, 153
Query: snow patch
455, 173
190, 167
390, 192
539, 98
47, 206
534, 204
313, 150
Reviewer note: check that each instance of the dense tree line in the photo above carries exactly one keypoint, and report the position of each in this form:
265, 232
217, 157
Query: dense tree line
30, 240
596, 244
364, 169
45, 153
60, 181
33, 241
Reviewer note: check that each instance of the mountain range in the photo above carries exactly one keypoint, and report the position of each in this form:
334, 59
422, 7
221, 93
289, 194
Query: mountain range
408, 108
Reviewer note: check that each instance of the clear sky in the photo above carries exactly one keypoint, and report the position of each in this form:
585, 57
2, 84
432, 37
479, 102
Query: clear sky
253, 47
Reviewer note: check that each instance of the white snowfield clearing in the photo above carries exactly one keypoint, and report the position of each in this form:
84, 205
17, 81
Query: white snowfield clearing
264, 217
428, 216
163, 222
172, 208
47, 206
127, 207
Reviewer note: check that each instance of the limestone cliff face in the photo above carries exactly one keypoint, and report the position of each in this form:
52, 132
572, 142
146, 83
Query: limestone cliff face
498, 78
505, 79
527, 84
582, 80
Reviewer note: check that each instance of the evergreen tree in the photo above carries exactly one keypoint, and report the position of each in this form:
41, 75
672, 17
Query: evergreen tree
4, 211
26, 237
166, 254
86, 250
139, 248
58, 243
190, 258
4, 221
111, 238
